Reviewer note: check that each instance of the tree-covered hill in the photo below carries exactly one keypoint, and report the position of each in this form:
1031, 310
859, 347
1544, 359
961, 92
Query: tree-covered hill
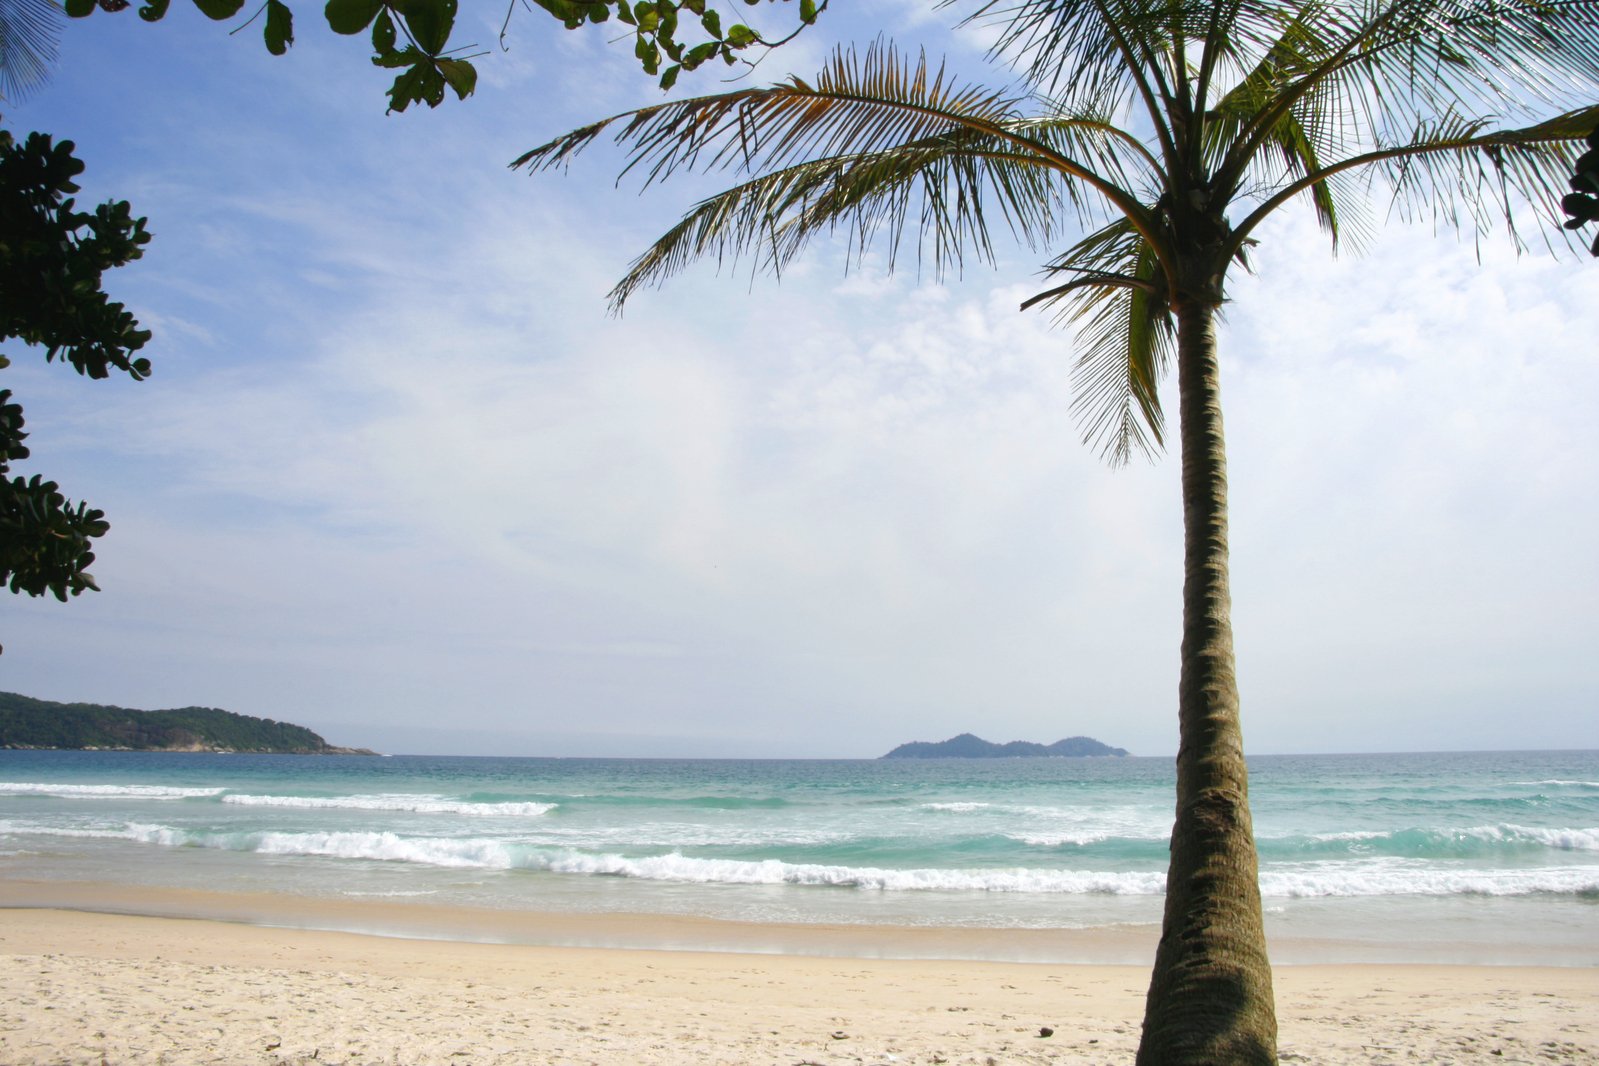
967, 746
26, 722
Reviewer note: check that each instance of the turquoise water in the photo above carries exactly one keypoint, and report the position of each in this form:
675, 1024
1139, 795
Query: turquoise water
1481, 849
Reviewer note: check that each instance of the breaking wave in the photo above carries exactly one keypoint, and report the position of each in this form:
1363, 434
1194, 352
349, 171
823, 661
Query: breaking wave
1361, 878
24, 788
406, 803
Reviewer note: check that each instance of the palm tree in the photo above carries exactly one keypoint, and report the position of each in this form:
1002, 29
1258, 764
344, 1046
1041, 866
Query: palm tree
1168, 131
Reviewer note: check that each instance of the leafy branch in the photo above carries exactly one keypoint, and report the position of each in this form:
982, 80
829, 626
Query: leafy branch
52, 257
412, 37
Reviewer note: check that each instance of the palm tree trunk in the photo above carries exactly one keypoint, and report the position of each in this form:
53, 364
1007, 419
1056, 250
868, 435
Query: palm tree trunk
1210, 998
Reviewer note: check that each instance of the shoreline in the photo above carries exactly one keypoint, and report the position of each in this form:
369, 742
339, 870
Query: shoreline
79, 987
1107, 945
456, 924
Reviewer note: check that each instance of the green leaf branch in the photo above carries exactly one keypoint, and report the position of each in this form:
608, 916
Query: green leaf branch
412, 37
52, 258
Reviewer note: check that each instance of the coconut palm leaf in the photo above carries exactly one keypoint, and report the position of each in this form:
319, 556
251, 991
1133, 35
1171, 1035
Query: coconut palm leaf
946, 188
1462, 171
945, 199
1298, 138
891, 144
1124, 340
857, 104
861, 107
1116, 52
1385, 71
30, 31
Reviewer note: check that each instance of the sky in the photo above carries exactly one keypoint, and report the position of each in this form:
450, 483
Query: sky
399, 477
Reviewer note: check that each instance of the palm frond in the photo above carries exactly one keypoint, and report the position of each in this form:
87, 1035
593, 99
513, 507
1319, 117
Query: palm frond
876, 146
859, 104
1463, 171
1372, 74
941, 188
1106, 53
30, 31
1119, 51
1495, 57
945, 188
1095, 139
1459, 171
1291, 147
1126, 338
1408, 89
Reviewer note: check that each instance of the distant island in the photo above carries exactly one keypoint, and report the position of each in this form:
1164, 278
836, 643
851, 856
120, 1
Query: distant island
967, 746
29, 723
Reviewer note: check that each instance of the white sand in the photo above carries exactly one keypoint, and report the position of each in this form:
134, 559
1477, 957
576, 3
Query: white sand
95, 988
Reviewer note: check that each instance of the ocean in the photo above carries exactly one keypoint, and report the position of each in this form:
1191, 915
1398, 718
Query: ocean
1466, 857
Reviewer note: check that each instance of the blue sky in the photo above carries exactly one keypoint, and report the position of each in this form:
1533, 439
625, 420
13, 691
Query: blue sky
400, 478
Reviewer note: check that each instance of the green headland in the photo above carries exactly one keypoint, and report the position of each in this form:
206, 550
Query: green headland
26, 722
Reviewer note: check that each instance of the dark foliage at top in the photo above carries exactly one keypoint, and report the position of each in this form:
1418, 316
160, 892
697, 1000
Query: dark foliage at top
414, 37
1582, 203
52, 256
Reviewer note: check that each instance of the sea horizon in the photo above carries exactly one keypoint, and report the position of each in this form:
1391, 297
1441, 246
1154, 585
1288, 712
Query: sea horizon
877, 758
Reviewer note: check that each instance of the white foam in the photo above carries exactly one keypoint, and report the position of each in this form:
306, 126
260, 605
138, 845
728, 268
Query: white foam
480, 853
1401, 877
1368, 877
683, 869
1563, 839
1382, 877
488, 853
1372, 834
680, 835
1559, 838
400, 802
139, 833
1079, 838
1061, 826
24, 788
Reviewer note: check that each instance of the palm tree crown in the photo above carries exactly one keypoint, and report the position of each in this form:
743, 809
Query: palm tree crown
1156, 136
1234, 107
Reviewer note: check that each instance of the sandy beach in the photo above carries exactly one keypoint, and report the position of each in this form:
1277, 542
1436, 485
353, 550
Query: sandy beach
81, 987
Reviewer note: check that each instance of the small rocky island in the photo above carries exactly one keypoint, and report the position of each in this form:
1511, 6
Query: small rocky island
967, 746
29, 723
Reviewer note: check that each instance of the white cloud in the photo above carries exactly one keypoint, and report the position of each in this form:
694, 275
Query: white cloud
1414, 487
